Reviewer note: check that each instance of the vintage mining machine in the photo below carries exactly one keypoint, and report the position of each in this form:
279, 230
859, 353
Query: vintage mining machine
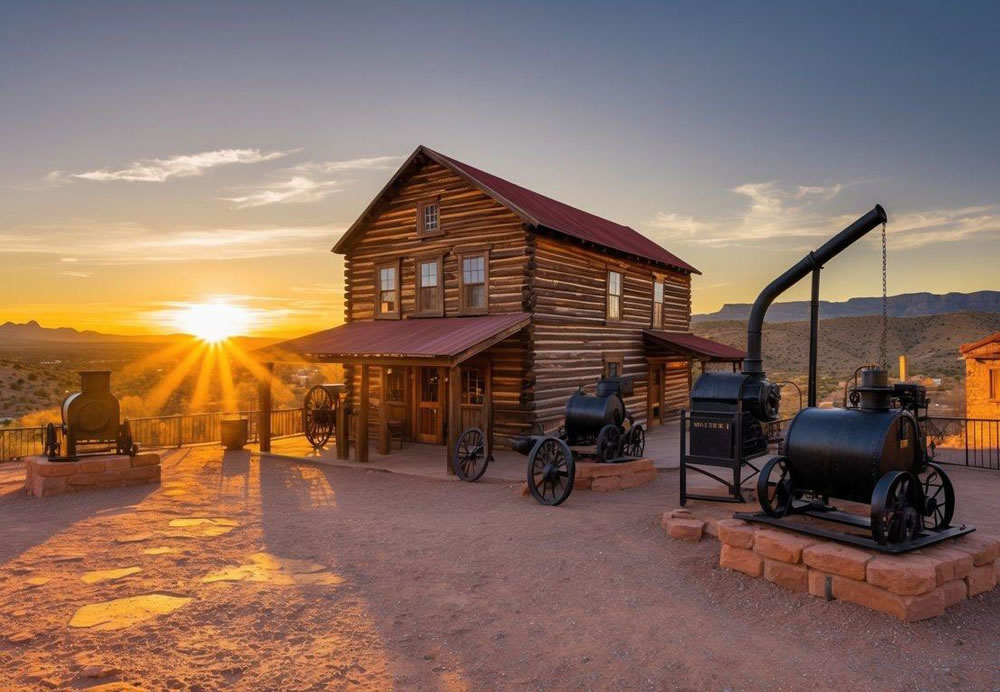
91, 422
873, 451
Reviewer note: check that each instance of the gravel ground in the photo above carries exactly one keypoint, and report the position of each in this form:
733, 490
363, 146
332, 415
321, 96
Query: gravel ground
380, 580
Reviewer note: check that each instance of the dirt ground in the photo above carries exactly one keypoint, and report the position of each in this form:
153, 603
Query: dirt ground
321, 578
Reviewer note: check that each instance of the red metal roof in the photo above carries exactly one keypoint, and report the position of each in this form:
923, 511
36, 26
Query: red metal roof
696, 345
538, 210
436, 337
555, 215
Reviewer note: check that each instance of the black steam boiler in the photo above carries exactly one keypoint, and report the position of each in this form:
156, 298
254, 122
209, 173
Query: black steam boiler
601, 419
91, 421
871, 452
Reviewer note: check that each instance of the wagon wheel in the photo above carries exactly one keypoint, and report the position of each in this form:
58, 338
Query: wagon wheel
551, 471
775, 489
895, 518
471, 455
317, 415
635, 441
939, 498
609, 443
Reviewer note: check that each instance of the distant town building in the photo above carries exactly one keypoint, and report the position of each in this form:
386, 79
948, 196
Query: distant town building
982, 377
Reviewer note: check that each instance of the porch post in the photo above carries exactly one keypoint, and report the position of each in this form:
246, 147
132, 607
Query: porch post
264, 408
362, 443
488, 404
384, 443
343, 428
649, 394
454, 414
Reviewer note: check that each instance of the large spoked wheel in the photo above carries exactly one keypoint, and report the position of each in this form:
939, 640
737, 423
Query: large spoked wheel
895, 508
471, 455
635, 442
318, 412
775, 490
551, 471
939, 498
609, 443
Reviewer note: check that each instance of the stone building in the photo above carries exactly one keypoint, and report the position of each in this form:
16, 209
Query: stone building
982, 377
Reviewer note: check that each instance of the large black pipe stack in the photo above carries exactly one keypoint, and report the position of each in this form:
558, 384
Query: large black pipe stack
754, 364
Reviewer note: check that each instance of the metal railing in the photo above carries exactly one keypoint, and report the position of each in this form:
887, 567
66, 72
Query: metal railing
162, 431
971, 442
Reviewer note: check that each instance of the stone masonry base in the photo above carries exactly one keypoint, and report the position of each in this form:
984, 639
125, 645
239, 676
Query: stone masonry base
591, 475
912, 586
44, 478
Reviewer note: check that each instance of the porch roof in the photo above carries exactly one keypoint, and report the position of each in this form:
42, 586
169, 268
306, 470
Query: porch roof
437, 340
695, 346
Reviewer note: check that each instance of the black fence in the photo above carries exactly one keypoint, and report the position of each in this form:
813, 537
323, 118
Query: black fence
973, 442
161, 431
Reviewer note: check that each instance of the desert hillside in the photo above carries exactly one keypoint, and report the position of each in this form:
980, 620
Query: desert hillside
931, 343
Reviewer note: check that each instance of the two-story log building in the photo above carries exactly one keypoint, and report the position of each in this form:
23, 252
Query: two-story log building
472, 300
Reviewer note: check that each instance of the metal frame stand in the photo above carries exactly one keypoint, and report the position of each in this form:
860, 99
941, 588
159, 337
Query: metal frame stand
735, 462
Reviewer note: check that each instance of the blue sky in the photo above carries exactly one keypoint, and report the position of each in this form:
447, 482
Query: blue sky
154, 154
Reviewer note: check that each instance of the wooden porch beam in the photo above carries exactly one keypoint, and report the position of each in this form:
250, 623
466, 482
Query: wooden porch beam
362, 443
264, 408
454, 414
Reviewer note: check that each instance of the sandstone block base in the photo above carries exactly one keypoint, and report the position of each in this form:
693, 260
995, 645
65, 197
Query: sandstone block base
44, 478
911, 586
605, 478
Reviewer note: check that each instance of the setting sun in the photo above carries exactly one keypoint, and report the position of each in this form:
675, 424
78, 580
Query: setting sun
212, 322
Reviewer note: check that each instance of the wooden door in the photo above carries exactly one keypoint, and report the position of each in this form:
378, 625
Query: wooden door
655, 394
473, 396
395, 394
429, 405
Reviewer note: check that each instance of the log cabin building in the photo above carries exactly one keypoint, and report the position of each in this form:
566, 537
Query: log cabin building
470, 300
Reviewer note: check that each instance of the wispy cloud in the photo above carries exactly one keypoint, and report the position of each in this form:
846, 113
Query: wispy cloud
307, 182
777, 211
298, 190
183, 166
131, 243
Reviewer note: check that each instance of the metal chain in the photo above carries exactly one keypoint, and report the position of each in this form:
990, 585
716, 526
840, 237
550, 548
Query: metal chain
883, 348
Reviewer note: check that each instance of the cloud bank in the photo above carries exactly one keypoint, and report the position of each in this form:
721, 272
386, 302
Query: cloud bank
183, 166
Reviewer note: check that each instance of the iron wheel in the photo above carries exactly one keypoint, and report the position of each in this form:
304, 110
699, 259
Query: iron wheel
635, 441
775, 496
939, 498
551, 471
609, 443
317, 416
471, 456
895, 502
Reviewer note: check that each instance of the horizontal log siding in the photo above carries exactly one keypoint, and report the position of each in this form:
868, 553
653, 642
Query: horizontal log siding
471, 221
570, 334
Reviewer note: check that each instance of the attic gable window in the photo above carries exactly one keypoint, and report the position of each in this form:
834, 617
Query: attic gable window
429, 217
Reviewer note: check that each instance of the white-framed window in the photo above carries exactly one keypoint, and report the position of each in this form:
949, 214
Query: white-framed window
614, 310
429, 283
474, 276
429, 217
387, 304
657, 320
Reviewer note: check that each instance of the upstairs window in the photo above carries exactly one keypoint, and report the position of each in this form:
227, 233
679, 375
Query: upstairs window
614, 310
387, 304
474, 278
429, 217
429, 286
995, 384
657, 304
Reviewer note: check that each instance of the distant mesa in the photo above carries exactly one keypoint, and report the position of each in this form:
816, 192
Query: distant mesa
903, 305
32, 332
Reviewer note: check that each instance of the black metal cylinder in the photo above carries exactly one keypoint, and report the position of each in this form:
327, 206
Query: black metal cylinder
587, 414
842, 453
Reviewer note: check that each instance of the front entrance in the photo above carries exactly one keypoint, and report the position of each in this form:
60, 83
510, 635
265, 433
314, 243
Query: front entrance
669, 387
430, 395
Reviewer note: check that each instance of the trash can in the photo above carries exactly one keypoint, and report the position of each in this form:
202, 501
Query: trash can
234, 433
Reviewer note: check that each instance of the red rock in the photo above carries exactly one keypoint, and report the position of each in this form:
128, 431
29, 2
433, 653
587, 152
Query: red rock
929, 605
82, 479
601, 485
982, 579
954, 592
837, 559
779, 545
91, 465
712, 528
906, 575
821, 584
145, 459
53, 469
950, 563
864, 594
680, 513
685, 529
736, 532
983, 548
741, 560
120, 463
794, 577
